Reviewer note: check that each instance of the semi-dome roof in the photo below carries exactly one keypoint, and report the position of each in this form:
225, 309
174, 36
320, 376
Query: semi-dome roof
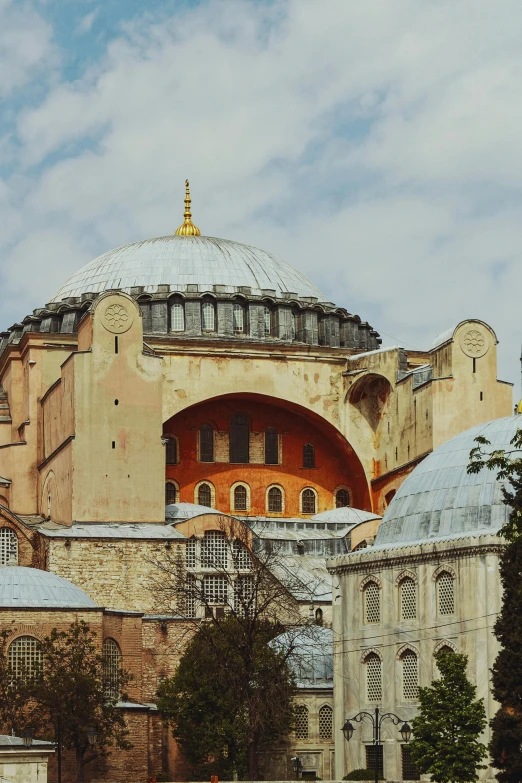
440, 499
180, 261
345, 515
28, 588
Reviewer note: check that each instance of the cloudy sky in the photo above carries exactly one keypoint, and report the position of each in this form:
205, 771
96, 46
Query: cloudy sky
375, 145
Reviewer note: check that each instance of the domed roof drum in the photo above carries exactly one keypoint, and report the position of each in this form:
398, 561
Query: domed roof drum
441, 500
27, 588
179, 261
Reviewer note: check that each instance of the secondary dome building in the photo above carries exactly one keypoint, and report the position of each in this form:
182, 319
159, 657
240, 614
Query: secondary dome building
429, 582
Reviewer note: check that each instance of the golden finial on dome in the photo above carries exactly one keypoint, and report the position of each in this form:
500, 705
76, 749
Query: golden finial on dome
188, 229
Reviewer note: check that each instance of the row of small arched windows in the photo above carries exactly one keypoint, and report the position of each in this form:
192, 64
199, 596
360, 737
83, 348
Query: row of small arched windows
240, 497
302, 722
409, 673
445, 596
239, 445
25, 661
209, 320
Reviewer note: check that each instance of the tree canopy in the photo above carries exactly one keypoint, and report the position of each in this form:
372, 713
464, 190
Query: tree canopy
448, 726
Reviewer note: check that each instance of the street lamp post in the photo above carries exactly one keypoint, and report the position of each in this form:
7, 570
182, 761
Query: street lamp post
297, 766
376, 720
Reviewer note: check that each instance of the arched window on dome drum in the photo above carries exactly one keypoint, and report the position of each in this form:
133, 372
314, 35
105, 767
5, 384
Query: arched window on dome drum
342, 498
275, 500
170, 493
308, 505
240, 498
208, 317
172, 451
238, 318
8, 546
271, 446
24, 658
111, 669
204, 495
239, 439
268, 320
177, 317
206, 443
308, 456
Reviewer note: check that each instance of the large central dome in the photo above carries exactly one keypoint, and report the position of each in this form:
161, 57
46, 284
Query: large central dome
180, 261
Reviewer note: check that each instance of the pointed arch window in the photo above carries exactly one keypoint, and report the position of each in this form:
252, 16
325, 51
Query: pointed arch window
308, 502
275, 500
271, 446
373, 677
342, 498
408, 590
446, 593
410, 675
111, 668
308, 455
372, 603
206, 443
239, 439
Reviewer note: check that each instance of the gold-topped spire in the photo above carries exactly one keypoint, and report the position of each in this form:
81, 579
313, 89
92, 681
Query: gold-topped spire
188, 229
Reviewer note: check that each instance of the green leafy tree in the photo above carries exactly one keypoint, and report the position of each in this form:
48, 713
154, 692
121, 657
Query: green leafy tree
506, 739
446, 732
227, 700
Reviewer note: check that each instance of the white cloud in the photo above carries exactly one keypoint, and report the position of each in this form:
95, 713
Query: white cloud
25, 44
374, 145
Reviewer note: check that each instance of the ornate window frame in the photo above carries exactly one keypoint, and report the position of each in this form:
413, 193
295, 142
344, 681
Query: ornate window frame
212, 492
308, 513
283, 499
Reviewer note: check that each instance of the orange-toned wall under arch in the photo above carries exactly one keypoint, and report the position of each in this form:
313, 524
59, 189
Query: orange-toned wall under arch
336, 464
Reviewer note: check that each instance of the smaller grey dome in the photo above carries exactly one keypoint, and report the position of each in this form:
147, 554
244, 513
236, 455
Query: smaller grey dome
312, 657
28, 588
180, 511
439, 499
345, 516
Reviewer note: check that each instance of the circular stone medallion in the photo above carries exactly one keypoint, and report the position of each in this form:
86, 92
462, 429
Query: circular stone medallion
474, 342
117, 318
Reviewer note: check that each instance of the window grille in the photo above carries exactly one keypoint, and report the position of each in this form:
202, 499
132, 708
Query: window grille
208, 317
445, 589
326, 723
238, 318
409, 770
24, 658
410, 675
191, 597
271, 447
8, 546
408, 599
241, 556
239, 439
275, 500
268, 320
215, 589
342, 498
172, 451
293, 326
206, 444
374, 757
240, 498
308, 455
190, 553
373, 677
308, 501
111, 668
301, 723
205, 495
214, 549
243, 594
170, 493
372, 603
177, 317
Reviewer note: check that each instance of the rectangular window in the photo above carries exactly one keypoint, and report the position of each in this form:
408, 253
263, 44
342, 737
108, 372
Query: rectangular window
271, 447
374, 756
409, 770
215, 589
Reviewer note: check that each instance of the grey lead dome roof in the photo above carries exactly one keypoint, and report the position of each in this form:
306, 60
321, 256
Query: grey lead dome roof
179, 261
440, 499
28, 588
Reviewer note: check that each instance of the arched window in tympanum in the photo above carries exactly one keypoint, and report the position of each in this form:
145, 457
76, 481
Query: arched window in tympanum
308, 502
445, 593
342, 498
8, 546
171, 493
239, 439
172, 451
111, 668
408, 591
308, 455
271, 446
205, 495
326, 723
24, 658
275, 500
410, 675
206, 443
373, 666
240, 498
301, 723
